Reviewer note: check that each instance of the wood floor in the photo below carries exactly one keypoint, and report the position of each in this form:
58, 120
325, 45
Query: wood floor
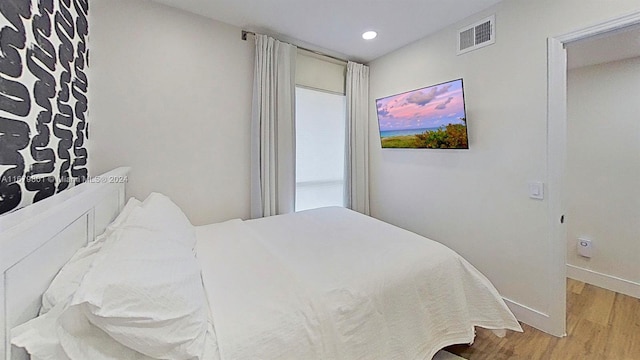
601, 325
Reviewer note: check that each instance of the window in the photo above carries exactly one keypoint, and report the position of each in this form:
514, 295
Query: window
320, 148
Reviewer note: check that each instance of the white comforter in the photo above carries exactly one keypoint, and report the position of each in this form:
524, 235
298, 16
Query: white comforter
334, 284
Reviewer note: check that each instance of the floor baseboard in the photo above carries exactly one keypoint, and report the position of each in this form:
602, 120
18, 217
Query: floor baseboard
604, 281
529, 316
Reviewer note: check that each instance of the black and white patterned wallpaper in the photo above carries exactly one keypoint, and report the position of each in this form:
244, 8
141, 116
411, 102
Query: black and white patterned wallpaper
43, 98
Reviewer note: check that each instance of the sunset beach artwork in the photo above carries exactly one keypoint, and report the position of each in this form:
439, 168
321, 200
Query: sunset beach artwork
433, 117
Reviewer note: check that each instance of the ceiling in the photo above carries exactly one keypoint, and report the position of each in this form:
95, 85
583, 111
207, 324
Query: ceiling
616, 45
335, 26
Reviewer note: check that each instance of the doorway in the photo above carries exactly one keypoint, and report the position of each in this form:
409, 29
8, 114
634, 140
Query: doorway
557, 153
603, 160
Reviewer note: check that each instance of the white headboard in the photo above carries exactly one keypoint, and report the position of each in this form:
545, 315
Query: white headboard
36, 241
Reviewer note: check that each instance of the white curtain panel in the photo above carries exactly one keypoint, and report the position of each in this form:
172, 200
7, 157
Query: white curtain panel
273, 128
357, 138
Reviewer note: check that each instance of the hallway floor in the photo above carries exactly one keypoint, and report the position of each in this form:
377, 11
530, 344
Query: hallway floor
601, 325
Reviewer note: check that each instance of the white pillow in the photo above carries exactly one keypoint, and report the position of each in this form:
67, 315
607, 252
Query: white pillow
159, 213
68, 279
81, 340
145, 291
43, 337
123, 217
38, 336
55, 337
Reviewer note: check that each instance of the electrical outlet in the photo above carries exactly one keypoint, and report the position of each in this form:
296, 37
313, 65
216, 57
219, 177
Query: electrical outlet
585, 247
536, 190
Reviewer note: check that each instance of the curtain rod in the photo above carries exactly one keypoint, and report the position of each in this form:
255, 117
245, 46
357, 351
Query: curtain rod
245, 33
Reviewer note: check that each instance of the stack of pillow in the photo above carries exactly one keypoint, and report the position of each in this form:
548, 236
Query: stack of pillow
134, 293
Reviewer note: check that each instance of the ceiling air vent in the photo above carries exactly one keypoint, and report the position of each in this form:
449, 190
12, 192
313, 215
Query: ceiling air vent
477, 35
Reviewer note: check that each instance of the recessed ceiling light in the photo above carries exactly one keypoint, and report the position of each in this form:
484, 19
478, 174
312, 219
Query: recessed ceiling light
368, 35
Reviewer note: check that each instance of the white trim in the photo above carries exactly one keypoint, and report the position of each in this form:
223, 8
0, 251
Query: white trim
601, 28
605, 281
529, 316
4, 339
556, 158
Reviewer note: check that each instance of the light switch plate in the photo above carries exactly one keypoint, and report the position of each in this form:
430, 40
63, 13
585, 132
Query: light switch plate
536, 190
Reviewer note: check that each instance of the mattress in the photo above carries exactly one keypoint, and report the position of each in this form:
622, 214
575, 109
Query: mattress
331, 283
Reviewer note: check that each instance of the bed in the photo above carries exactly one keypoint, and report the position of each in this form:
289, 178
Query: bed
320, 284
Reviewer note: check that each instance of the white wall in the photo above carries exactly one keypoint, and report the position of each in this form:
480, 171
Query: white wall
171, 97
476, 200
603, 169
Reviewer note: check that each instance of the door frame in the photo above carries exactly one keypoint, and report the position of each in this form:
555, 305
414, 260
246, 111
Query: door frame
557, 154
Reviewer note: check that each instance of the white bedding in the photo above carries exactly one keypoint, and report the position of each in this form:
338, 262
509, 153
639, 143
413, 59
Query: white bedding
133, 294
334, 284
